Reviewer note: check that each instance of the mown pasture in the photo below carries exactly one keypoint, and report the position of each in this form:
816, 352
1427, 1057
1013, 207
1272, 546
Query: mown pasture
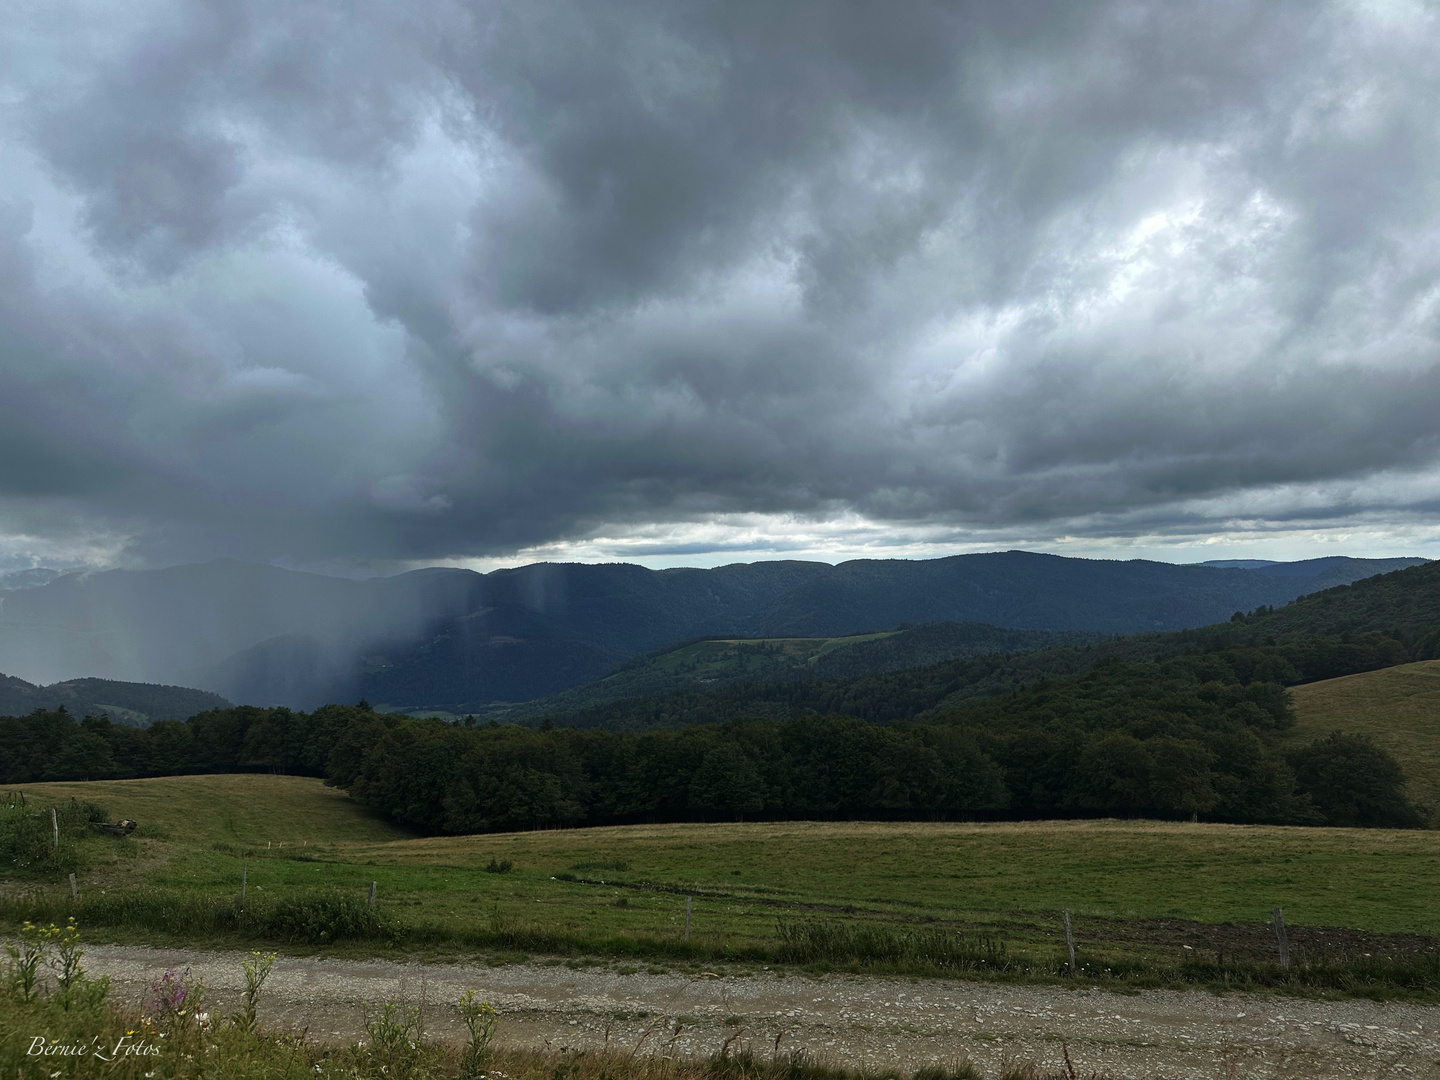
1147, 897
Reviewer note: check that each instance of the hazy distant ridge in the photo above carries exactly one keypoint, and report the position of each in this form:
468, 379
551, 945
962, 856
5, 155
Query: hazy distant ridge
124, 702
265, 635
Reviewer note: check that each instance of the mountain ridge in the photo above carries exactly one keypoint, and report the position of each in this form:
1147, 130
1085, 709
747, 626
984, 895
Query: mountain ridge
265, 635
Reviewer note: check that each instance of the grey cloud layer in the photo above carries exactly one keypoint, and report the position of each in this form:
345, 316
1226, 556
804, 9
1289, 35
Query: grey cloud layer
311, 280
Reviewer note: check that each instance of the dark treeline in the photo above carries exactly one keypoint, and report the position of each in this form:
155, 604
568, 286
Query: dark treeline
54, 745
1198, 736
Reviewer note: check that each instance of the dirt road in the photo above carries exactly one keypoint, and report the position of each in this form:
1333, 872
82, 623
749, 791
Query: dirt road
870, 1022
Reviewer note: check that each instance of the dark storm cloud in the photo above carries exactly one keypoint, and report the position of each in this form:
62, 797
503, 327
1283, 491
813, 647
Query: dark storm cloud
384, 282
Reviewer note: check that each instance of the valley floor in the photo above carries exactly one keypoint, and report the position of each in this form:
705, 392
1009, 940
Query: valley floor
861, 1022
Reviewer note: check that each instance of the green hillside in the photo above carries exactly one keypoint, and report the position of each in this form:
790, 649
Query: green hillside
1404, 604
1399, 707
702, 665
1375, 623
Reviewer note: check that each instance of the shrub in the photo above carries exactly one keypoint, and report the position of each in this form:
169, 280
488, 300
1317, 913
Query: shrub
602, 864
27, 835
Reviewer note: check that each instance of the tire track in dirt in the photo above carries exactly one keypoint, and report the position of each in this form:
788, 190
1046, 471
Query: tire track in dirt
857, 1021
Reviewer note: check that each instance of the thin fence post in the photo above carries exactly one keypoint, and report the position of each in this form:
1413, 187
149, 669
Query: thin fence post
244, 875
55, 826
74, 890
1282, 939
372, 894
1069, 941
687, 918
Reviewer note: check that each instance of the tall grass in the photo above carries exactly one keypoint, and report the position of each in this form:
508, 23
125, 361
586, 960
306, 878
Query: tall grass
325, 917
1356, 976
316, 918
825, 940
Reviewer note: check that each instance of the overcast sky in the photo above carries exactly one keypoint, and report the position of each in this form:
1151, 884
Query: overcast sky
364, 286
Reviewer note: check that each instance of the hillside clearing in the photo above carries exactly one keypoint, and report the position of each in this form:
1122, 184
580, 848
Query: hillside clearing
1397, 706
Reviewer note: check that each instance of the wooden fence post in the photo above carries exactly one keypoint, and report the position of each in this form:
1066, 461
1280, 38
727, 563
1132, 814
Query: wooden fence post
74, 891
687, 918
244, 876
55, 826
1069, 942
372, 894
1282, 939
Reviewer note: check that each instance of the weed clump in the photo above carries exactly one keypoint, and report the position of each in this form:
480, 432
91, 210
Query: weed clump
56, 949
480, 1020
602, 864
325, 917
256, 969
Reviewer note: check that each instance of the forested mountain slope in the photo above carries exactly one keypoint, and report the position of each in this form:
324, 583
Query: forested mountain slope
710, 663
1374, 623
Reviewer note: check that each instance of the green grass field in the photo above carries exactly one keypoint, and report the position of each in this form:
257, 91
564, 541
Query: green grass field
251, 810
954, 872
1399, 707
1140, 891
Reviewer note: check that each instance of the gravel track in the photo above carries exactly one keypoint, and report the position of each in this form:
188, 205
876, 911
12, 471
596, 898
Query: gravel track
857, 1021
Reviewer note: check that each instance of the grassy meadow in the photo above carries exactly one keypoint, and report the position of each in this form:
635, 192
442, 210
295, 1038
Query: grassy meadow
248, 810
1146, 896
1398, 706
